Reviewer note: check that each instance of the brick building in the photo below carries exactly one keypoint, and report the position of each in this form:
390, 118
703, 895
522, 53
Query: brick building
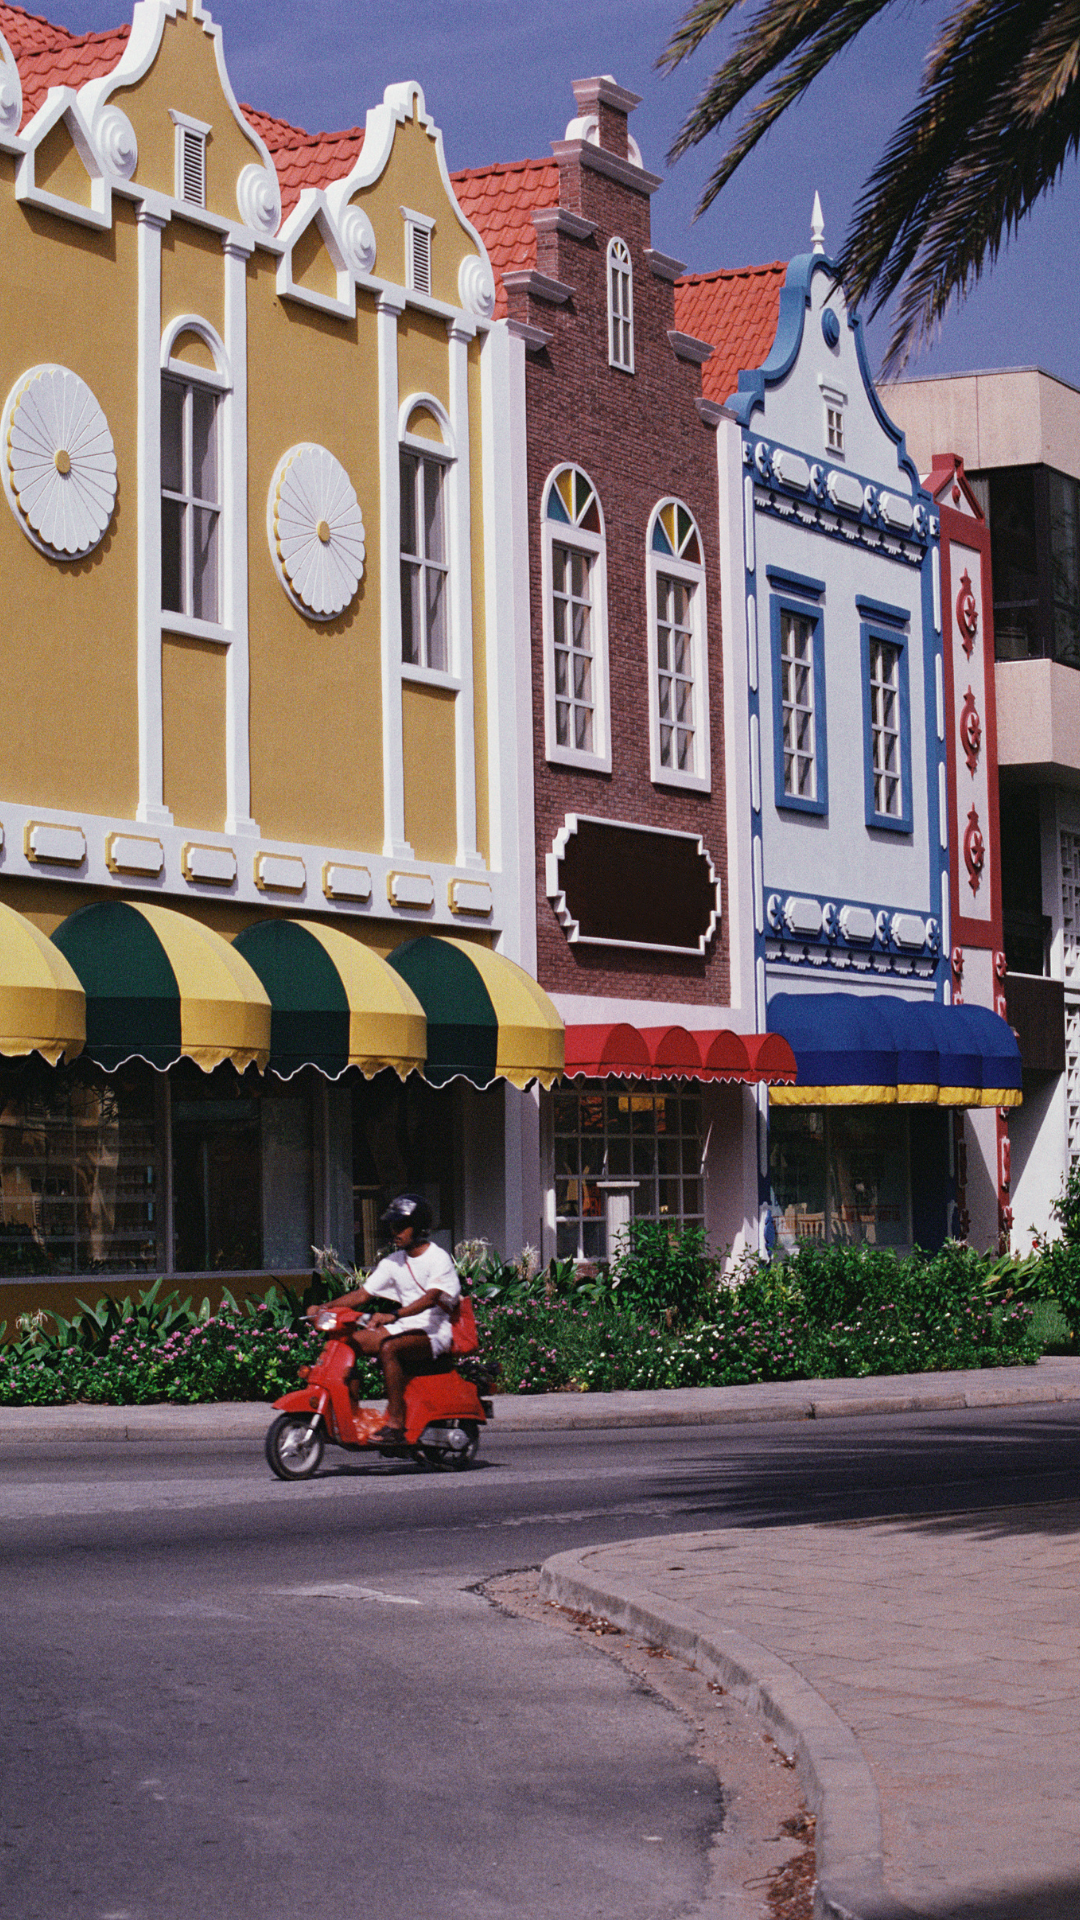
619, 511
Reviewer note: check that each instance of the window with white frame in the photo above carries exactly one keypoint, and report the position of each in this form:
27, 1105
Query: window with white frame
424, 565
797, 705
677, 652
886, 718
575, 622
834, 402
190, 498
885, 739
613, 1131
620, 306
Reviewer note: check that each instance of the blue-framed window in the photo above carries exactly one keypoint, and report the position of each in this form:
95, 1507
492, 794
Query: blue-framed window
798, 656
886, 727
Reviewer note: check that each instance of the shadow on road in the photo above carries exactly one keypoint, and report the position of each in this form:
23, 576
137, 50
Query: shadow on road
940, 1475
1037, 1900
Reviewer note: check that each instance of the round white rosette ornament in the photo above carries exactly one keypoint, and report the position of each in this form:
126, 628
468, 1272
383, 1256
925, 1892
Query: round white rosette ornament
316, 531
59, 463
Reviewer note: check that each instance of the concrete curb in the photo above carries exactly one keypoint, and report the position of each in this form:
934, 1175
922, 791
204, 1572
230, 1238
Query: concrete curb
835, 1778
1054, 1381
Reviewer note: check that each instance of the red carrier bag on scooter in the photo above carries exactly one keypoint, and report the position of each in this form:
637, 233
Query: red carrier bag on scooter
465, 1339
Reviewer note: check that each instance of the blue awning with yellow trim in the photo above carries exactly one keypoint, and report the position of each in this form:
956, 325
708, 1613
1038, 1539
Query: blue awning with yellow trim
875, 1049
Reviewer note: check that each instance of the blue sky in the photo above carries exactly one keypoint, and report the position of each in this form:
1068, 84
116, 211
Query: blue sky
497, 76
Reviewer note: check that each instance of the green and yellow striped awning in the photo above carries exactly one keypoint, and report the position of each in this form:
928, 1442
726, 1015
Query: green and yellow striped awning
334, 1003
486, 1018
42, 1004
160, 986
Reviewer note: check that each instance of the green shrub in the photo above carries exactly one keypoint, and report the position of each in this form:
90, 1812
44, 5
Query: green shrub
664, 1273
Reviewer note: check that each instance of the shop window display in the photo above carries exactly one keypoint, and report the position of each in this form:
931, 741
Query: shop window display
403, 1135
840, 1175
80, 1169
243, 1171
624, 1133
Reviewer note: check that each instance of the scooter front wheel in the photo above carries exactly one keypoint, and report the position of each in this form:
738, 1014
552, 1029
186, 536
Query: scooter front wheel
448, 1444
293, 1453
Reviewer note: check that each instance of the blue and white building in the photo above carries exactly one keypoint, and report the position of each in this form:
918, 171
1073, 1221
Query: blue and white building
839, 810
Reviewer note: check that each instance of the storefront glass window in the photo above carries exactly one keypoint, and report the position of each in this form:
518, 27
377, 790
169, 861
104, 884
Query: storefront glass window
618, 1133
840, 1175
403, 1142
80, 1170
242, 1171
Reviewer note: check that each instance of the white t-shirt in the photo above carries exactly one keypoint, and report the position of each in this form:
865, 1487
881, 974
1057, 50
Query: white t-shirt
404, 1277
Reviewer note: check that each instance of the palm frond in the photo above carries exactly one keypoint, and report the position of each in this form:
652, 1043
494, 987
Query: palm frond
997, 117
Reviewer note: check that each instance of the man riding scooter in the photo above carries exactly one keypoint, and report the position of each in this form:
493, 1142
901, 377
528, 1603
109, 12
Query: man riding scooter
424, 1281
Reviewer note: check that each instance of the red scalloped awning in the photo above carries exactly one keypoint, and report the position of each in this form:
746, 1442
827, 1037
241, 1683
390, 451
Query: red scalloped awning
621, 1052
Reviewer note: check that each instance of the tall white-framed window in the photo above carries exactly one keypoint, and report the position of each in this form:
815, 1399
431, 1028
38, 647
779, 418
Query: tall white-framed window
191, 497
678, 657
620, 306
190, 168
800, 755
576, 705
425, 569
428, 558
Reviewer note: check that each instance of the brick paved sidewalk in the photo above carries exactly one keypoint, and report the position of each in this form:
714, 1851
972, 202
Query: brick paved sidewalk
946, 1645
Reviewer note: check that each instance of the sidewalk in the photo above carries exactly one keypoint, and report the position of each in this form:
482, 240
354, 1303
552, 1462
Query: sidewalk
1053, 1380
924, 1673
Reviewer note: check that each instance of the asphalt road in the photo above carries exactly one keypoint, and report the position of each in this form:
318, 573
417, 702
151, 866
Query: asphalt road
225, 1696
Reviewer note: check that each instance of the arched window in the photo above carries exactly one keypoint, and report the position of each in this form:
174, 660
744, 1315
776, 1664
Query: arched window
620, 306
426, 463
678, 655
575, 622
194, 386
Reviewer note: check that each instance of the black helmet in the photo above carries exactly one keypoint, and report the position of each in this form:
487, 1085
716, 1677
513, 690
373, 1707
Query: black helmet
408, 1210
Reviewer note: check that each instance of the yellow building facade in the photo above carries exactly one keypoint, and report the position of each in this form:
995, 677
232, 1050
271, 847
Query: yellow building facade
262, 796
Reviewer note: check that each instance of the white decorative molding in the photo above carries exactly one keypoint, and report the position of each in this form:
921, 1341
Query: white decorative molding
148, 24
316, 531
896, 512
11, 98
410, 889
62, 103
476, 286
470, 896
280, 873
59, 466
572, 927
844, 490
858, 924
358, 240
49, 844
908, 931
341, 882
207, 866
791, 469
117, 143
802, 917
134, 853
258, 196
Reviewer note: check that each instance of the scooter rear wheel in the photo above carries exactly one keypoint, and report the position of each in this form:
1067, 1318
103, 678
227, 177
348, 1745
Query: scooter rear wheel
291, 1455
448, 1445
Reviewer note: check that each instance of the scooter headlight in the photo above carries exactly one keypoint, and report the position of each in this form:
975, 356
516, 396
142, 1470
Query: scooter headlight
326, 1322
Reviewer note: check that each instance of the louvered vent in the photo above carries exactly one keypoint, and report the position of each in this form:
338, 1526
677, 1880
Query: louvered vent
420, 259
192, 167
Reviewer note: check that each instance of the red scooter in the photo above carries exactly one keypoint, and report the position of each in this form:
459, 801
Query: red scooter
443, 1412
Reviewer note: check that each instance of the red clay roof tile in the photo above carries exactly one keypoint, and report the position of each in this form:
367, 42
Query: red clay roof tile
499, 201
736, 309
305, 159
49, 56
